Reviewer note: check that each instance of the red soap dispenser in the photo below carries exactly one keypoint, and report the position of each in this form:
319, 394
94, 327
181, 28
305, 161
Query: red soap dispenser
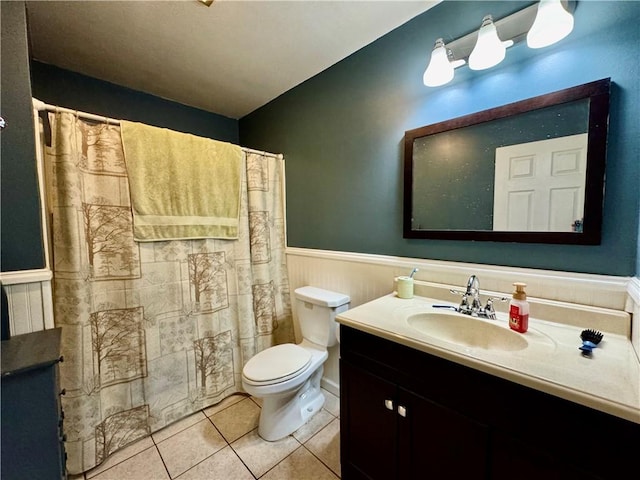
519, 309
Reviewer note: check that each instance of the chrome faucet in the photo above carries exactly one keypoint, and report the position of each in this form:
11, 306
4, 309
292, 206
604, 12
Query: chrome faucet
471, 304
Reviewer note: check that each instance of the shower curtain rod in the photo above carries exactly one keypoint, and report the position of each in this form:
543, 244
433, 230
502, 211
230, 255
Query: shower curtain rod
40, 105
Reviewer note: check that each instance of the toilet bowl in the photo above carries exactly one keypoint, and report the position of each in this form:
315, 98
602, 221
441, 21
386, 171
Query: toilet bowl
287, 377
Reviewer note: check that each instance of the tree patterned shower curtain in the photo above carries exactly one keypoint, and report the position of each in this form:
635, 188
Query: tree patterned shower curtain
152, 332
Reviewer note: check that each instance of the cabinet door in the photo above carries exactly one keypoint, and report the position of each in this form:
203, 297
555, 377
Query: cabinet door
368, 425
31, 447
436, 442
513, 458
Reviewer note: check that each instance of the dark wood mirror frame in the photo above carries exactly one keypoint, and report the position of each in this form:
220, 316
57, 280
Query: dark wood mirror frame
597, 94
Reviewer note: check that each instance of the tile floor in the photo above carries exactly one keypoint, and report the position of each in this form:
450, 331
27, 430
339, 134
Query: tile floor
222, 442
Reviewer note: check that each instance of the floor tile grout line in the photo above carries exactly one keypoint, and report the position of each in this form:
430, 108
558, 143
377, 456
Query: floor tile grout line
219, 431
242, 461
217, 451
179, 431
321, 461
86, 474
202, 410
239, 457
157, 443
333, 417
201, 461
206, 417
242, 436
314, 435
300, 445
325, 426
162, 460
208, 456
240, 394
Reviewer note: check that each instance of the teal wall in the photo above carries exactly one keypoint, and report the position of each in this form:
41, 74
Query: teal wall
68, 89
341, 133
21, 244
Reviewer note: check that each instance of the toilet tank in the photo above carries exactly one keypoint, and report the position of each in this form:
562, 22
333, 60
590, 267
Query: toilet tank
317, 310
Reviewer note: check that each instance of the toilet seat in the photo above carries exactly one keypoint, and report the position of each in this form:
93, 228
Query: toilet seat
276, 364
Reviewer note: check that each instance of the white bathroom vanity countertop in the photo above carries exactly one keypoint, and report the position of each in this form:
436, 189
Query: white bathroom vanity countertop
608, 381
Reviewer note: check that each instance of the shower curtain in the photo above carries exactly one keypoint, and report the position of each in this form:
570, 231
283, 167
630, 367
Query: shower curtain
152, 332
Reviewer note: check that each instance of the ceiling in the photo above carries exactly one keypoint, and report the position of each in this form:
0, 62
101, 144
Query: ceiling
229, 58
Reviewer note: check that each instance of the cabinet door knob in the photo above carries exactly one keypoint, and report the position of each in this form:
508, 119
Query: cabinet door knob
388, 404
402, 410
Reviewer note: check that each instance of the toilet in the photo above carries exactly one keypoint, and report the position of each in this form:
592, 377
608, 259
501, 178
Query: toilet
287, 377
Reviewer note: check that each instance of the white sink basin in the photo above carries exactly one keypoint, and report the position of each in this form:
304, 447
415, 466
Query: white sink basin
468, 331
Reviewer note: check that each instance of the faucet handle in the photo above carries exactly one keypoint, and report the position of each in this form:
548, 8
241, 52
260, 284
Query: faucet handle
489, 310
490, 300
464, 302
464, 307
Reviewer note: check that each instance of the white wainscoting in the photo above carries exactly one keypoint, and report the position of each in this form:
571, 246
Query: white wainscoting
30, 300
365, 277
633, 307
29, 292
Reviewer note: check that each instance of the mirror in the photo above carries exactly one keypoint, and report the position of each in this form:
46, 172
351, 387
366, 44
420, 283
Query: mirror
529, 171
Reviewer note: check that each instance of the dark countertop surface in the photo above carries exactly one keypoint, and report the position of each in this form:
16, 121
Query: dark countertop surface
30, 351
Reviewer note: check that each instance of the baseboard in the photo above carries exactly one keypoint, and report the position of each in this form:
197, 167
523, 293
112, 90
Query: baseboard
330, 386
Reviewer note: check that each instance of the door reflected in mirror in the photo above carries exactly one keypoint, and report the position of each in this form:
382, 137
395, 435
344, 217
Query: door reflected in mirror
539, 186
530, 171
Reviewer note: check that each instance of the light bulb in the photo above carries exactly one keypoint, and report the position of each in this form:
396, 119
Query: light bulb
551, 25
440, 70
489, 49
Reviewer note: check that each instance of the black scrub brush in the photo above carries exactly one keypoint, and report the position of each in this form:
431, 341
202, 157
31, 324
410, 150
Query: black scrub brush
590, 339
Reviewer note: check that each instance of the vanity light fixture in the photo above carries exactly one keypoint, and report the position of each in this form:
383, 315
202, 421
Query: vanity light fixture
206, 2
541, 24
551, 25
489, 49
440, 69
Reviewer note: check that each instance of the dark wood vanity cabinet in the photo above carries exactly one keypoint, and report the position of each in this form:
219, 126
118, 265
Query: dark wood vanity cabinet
387, 430
407, 414
32, 437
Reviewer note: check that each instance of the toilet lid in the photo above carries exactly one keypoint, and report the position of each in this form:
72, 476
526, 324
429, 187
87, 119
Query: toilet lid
277, 363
